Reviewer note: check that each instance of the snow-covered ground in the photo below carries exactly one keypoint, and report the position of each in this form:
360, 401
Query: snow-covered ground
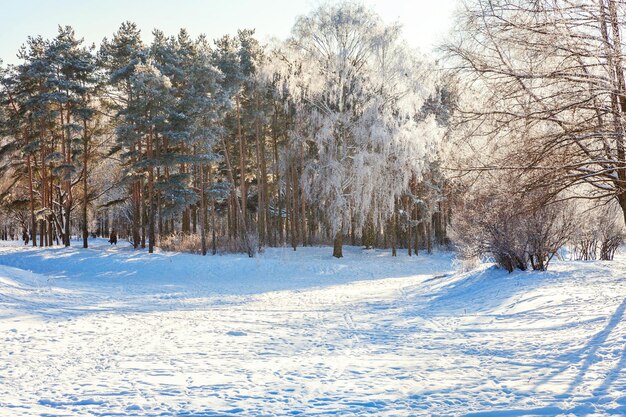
109, 331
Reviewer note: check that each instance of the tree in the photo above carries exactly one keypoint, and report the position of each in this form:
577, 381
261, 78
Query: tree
119, 58
76, 86
149, 111
235, 58
191, 131
545, 92
357, 112
49, 98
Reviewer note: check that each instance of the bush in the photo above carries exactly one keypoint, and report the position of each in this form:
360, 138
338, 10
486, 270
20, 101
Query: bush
515, 231
486, 226
548, 229
599, 234
611, 232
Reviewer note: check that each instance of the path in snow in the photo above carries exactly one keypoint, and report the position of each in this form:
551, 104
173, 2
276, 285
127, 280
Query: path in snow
110, 331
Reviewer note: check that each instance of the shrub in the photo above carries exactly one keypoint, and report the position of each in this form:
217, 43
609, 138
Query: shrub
611, 232
548, 228
514, 230
599, 233
486, 226
180, 242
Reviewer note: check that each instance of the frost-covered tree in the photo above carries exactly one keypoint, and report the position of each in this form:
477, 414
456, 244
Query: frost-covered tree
149, 113
358, 91
174, 57
76, 85
191, 133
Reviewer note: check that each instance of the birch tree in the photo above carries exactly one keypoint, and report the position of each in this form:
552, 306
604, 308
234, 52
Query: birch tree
359, 91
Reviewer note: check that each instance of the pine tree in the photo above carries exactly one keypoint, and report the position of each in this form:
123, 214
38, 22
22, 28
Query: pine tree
75, 83
119, 59
228, 59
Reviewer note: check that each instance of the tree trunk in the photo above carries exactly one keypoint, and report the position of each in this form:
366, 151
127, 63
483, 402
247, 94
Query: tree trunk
143, 215
279, 199
416, 238
136, 197
261, 179
151, 199
136, 214
202, 212
338, 245
42, 222
394, 221
429, 238
242, 168
409, 233
266, 195
303, 219
352, 229
213, 237
186, 221
622, 203
240, 218
293, 218
67, 180
85, 196
33, 222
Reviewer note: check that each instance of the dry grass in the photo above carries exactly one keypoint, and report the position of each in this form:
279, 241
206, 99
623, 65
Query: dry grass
192, 243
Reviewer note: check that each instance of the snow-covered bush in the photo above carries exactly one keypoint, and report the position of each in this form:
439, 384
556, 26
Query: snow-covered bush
586, 240
610, 245
192, 243
585, 245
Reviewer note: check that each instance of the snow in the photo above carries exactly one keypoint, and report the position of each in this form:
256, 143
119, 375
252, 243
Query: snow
112, 331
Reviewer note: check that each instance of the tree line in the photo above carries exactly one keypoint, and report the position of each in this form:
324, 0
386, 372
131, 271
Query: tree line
339, 134
331, 136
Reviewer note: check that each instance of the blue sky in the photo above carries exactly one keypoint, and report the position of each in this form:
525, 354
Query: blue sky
424, 21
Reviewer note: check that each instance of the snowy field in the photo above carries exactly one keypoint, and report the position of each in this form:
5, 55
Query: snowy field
109, 331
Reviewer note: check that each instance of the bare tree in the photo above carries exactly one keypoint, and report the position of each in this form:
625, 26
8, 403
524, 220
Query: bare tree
545, 92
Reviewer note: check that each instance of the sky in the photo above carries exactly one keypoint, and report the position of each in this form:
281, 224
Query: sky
425, 22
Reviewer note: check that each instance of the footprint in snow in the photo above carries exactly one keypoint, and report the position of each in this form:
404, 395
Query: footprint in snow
234, 333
